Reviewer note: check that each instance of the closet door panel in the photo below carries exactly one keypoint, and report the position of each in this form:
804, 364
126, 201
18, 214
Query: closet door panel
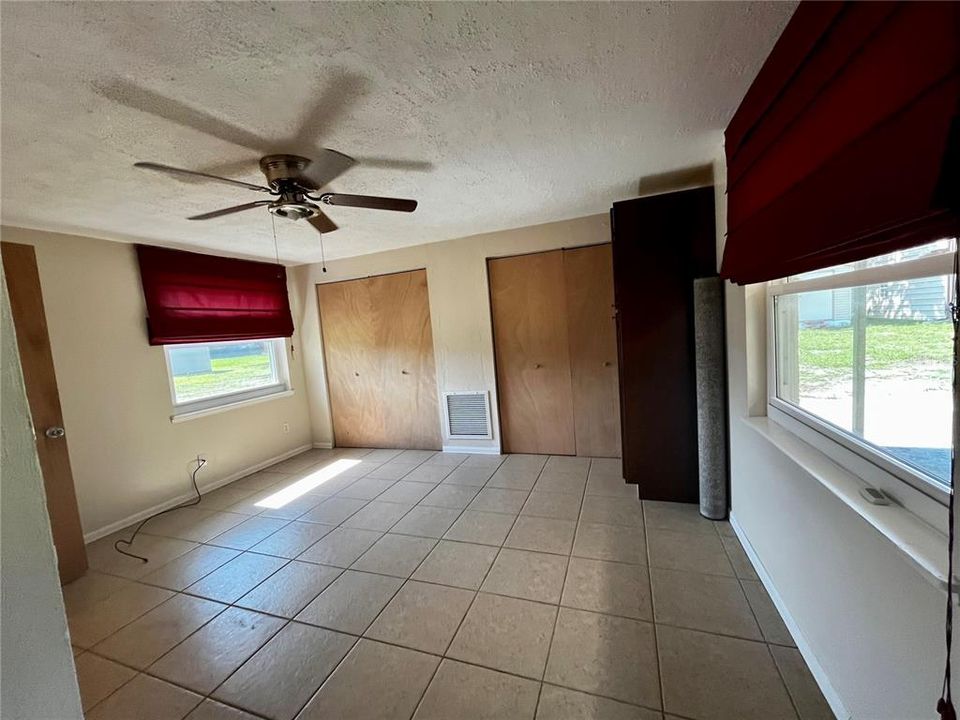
408, 372
378, 346
352, 376
528, 306
592, 332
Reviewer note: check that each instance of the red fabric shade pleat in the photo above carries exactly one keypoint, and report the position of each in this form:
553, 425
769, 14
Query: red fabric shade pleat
848, 142
194, 298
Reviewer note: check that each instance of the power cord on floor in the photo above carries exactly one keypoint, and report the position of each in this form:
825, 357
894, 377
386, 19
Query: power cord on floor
193, 476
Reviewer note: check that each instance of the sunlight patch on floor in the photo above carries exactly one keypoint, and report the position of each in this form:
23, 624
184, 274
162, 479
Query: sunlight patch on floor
305, 485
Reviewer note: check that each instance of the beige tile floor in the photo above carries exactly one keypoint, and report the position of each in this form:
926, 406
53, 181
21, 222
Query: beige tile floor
410, 584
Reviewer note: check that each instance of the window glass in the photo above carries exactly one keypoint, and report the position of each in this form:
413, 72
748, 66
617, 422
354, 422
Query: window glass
210, 370
876, 361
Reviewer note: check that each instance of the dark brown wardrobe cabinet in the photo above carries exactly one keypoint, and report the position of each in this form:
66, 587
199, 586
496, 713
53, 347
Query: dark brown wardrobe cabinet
660, 245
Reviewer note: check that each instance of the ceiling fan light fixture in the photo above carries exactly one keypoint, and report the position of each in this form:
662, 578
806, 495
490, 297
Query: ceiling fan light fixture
293, 210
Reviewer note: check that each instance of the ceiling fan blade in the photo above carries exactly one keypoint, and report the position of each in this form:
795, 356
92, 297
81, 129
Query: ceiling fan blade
145, 100
322, 223
230, 210
329, 164
342, 89
369, 201
191, 173
395, 164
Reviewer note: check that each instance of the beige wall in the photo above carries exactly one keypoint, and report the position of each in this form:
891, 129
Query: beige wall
459, 307
37, 678
868, 624
127, 456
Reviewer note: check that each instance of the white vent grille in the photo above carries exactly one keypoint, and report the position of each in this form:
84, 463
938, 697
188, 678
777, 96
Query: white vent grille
468, 415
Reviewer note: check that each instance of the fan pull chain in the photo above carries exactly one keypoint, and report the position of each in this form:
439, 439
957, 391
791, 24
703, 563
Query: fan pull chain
323, 262
276, 248
945, 706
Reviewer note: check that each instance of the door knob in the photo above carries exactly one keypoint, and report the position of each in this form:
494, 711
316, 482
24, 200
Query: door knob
54, 432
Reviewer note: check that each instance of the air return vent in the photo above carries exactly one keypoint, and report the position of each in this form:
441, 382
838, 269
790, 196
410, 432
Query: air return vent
468, 415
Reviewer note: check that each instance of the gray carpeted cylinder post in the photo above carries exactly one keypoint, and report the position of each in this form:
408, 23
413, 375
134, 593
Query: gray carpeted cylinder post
711, 396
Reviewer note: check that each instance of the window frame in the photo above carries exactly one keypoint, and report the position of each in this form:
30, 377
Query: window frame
873, 466
278, 353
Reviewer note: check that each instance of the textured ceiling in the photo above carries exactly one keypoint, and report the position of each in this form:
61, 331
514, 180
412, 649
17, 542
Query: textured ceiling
491, 115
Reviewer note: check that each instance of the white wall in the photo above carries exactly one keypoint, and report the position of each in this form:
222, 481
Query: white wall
459, 306
865, 616
37, 677
126, 454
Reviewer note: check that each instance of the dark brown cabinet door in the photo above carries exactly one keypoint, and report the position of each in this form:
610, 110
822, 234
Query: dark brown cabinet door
660, 245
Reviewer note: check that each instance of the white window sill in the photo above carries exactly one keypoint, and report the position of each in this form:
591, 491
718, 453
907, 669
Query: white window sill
193, 414
923, 545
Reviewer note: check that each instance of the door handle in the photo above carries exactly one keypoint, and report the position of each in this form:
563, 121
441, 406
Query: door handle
404, 372
54, 432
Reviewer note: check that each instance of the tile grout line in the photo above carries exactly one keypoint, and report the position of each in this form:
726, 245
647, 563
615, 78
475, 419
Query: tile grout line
653, 609
756, 619
476, 593
563, 587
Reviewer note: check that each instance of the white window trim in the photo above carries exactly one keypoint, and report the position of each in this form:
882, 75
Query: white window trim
208, 406
917, 493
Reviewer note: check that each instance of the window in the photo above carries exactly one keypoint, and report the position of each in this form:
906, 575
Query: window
209, 375
863, 353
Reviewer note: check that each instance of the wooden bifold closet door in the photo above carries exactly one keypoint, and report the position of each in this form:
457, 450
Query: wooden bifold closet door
378, 347
556, 351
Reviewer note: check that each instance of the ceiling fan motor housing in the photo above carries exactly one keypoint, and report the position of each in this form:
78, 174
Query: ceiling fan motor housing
283, 170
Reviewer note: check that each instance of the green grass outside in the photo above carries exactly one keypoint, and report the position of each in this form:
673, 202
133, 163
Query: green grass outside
920, 348
227, 375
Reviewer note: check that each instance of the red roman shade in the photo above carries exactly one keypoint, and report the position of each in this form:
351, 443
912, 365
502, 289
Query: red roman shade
195, 298
847, 145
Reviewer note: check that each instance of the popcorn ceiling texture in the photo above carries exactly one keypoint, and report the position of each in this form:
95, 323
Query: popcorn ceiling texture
525, 112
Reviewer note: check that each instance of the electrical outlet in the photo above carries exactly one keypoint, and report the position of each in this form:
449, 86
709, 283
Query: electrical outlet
286, 427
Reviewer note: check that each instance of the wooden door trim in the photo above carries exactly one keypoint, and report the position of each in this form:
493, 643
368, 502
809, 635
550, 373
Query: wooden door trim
540, 252
43, 398
375, 275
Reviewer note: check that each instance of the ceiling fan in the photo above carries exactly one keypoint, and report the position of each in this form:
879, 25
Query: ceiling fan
296, 183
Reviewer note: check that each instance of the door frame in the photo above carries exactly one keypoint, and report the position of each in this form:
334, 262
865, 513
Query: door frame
60, 491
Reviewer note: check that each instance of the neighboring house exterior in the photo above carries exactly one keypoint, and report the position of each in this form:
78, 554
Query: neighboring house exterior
926, 299
922, 299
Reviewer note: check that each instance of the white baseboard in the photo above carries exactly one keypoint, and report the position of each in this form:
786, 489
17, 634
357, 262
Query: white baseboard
323, 445
204, 489
471, 449
816, 669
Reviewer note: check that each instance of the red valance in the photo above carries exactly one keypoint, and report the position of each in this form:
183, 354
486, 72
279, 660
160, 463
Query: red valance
847, 145
195, 298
